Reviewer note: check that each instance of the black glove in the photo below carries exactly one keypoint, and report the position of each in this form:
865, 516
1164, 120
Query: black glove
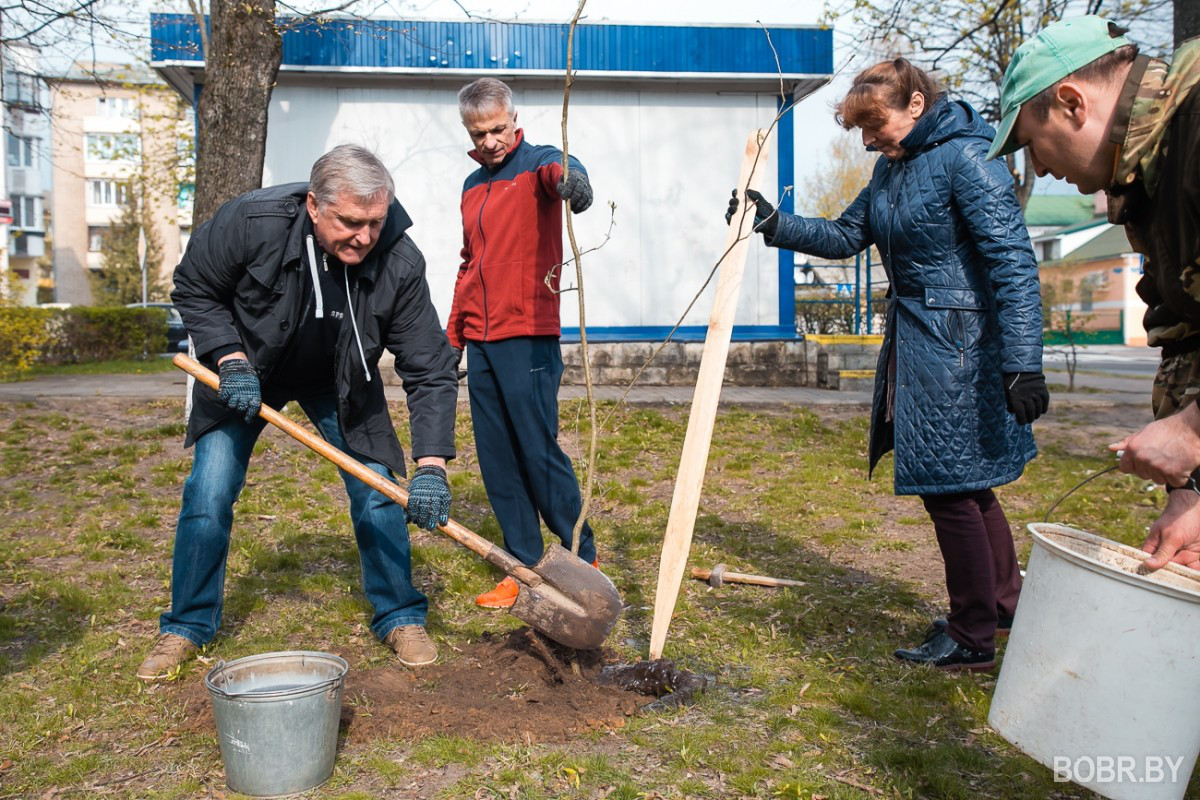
766, 219
576, 190
1028, 397
239, 387
429, 497
458, 351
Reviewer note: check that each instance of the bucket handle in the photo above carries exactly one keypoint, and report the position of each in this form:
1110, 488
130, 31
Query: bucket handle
328, 684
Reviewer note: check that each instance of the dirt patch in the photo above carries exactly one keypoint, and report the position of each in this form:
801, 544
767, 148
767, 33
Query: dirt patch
516, 687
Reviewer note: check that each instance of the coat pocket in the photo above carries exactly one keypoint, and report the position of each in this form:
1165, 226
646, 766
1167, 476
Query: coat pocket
960, 307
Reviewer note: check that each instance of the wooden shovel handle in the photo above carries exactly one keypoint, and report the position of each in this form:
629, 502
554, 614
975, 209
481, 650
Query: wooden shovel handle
459, 533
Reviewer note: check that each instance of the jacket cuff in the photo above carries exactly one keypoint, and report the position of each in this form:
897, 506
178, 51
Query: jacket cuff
425, 451
217, 354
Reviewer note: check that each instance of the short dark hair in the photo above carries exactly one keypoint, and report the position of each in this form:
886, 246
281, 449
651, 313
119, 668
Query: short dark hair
1102, 70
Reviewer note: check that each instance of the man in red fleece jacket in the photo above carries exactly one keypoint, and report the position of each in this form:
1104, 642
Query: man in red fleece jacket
505, 314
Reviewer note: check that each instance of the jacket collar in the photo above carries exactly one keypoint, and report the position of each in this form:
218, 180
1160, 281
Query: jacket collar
1152, 94
397, 222
945, 120
516, 146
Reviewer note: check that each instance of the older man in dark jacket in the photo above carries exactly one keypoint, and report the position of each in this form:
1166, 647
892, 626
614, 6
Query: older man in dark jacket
293, 292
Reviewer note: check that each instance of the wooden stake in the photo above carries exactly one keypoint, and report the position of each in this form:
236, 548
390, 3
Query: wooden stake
677, 541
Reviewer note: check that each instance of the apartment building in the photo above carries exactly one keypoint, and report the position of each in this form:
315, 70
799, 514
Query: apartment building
26, 155
117, 134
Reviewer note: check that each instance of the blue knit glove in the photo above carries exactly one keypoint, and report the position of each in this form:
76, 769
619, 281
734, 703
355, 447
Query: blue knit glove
239, 387
429, 497
576, 190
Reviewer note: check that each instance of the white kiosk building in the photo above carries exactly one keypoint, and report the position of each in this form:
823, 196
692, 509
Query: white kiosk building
659, 115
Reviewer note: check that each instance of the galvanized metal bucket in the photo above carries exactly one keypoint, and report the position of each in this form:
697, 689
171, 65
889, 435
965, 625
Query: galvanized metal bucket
277, 720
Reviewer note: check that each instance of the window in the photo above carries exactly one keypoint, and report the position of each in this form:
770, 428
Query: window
187, 196
107, 193
96, 239
20, 151
121, 107
112, 147
21, 88
27, 212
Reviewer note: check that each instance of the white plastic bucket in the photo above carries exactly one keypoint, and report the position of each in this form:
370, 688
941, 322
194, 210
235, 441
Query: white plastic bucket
277, 719
1101, 675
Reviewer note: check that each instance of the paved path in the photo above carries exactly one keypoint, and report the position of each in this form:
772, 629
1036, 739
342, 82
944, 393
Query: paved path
1095, 390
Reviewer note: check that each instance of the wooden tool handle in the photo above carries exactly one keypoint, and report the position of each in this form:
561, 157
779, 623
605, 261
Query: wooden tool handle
463, 535
739, 577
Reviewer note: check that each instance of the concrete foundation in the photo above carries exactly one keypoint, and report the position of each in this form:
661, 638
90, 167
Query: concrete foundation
829, 362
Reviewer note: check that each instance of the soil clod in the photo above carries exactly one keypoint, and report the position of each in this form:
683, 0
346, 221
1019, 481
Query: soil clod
659, 678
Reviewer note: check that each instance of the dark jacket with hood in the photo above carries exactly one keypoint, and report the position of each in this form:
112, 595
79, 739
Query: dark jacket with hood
243, 282
964, 307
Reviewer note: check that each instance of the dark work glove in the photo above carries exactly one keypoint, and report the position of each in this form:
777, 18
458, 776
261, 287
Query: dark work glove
429, 497
462, 373
766, 220
1028, 397
576, 190
239, 387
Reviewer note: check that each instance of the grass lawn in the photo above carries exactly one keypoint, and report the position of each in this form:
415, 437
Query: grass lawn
808, 701
130, 366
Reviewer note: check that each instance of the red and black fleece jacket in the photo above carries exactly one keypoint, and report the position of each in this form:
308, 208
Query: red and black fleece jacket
512, 238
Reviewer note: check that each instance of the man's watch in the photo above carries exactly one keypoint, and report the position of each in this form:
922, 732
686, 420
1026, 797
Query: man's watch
1193, 484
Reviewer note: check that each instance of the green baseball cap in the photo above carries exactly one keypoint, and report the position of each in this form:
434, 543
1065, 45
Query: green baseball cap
1039, 63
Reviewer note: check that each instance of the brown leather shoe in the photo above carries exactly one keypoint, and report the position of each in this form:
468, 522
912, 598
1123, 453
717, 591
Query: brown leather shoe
412, 645
169, 652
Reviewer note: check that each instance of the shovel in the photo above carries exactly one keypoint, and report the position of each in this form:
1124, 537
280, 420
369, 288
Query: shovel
563, 597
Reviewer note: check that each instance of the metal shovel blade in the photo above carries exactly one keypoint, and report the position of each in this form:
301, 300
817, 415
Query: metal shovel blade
574, 604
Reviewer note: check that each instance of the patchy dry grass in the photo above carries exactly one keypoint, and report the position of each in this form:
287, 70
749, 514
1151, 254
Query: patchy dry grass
809, 702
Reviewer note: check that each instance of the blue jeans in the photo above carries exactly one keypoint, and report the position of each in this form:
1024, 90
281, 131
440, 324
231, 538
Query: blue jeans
206, 517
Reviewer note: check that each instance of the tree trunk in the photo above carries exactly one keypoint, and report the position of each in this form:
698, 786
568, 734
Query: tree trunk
1022, 181
1187, 20
245, 50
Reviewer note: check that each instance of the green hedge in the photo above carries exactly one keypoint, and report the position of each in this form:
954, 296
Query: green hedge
79, 335
24, 333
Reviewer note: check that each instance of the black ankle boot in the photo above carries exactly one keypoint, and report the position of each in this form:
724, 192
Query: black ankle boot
1003, 628
944, 653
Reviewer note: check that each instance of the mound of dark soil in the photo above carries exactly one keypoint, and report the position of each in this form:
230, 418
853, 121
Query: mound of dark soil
513, 687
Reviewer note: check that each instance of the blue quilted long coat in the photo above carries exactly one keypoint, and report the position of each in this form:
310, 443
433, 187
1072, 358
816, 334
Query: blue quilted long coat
964, 305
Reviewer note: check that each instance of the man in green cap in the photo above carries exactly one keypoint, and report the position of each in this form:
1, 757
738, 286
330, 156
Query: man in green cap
1093, 111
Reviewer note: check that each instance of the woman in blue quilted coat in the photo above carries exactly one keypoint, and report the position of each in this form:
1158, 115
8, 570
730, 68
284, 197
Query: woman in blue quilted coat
959, 378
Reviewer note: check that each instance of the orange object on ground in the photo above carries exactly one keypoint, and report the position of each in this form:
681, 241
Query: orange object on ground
505, 593
503, 596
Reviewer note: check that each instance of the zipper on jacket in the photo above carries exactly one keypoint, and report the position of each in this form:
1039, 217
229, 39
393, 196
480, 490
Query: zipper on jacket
956, 321
483, 238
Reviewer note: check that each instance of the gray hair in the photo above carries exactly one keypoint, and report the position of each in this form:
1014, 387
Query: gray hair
483, 95
351, 169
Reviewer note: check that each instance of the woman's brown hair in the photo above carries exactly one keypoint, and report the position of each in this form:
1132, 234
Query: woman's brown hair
887, 85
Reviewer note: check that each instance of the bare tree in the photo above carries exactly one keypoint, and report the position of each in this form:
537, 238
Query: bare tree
970, 43
1187, 20
243, 54
843, 174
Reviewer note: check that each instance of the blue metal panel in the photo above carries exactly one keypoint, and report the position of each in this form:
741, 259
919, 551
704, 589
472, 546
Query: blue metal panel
785, 172
499, 46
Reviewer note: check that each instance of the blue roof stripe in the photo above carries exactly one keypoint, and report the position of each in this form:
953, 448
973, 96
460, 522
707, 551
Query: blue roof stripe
505, 47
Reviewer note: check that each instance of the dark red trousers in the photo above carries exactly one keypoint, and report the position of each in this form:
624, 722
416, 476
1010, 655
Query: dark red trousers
982, 575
